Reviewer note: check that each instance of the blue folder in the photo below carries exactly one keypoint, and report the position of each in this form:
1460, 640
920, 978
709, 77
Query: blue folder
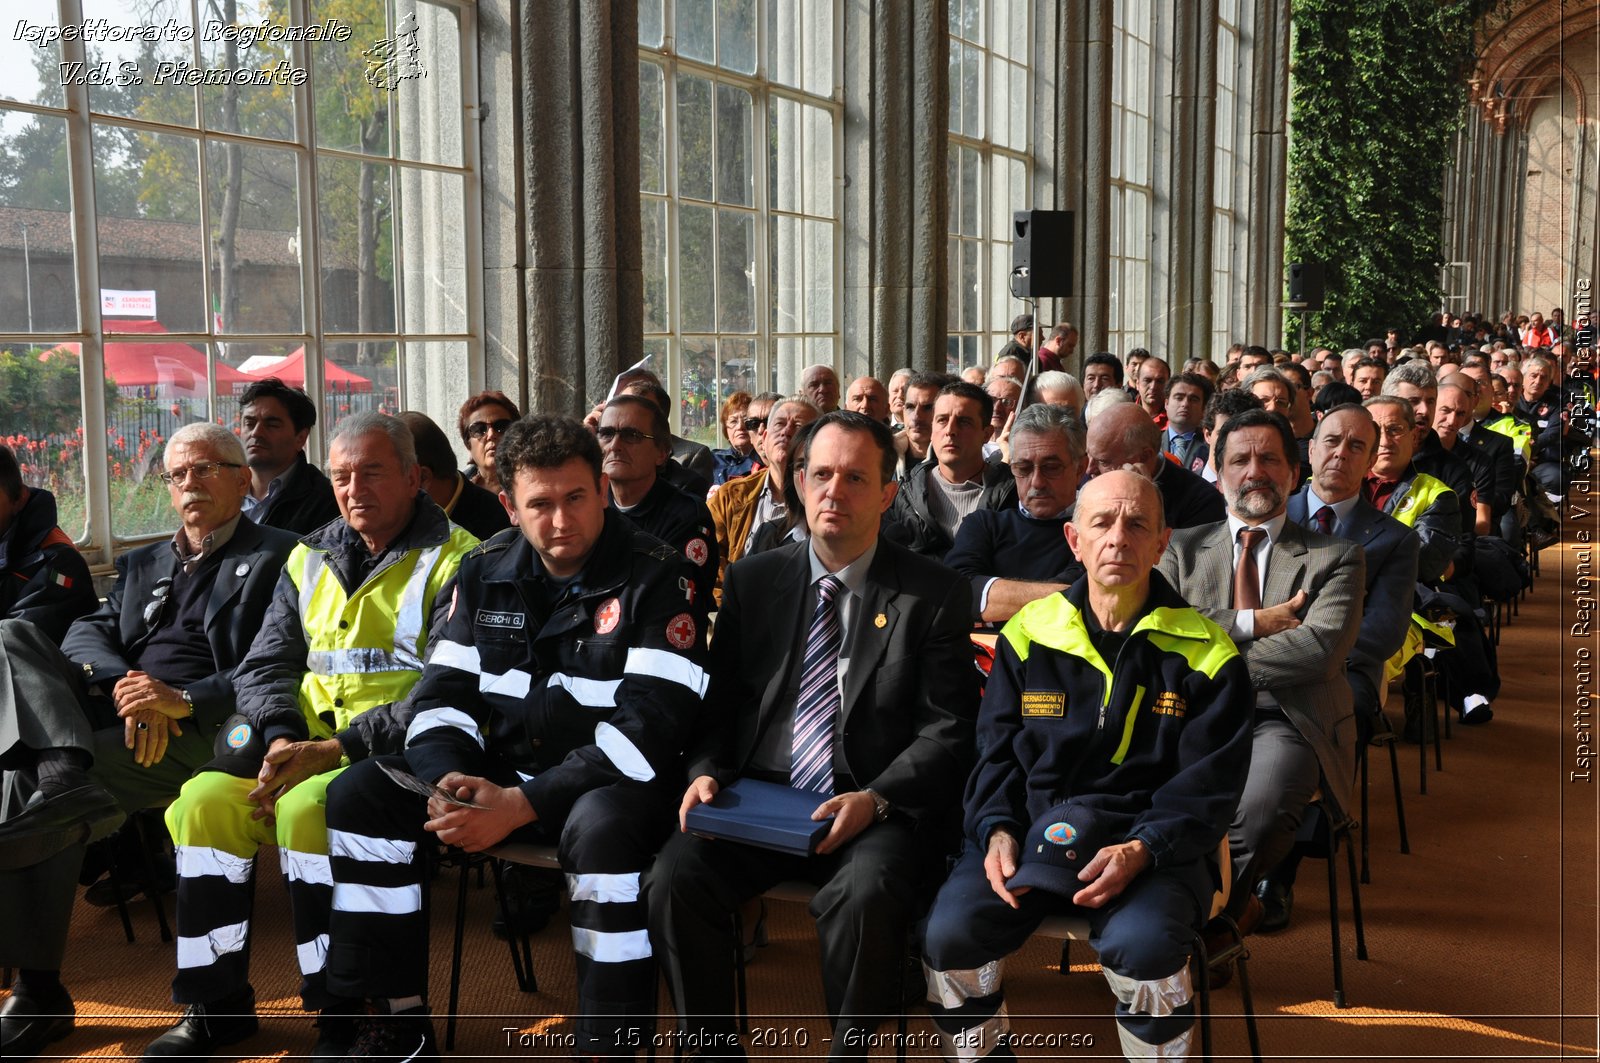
763, 814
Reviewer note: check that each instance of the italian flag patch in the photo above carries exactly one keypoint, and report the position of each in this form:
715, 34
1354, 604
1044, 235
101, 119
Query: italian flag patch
62, 580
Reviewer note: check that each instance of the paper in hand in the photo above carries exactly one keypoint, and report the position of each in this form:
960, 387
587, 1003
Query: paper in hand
406, 780
617, 383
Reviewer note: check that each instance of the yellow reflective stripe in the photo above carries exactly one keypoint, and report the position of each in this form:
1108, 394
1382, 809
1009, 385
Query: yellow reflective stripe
1421, 494
1127, 726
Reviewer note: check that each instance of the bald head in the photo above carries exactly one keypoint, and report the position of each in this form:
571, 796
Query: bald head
821, 385
1118, 531
1121, 436
868, 395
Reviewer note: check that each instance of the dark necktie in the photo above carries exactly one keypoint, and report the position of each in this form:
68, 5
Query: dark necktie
817, 706
1246, 575
1324, 519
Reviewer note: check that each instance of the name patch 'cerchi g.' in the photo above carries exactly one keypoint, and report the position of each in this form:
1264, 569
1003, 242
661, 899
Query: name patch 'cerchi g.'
508, 621
1044, 703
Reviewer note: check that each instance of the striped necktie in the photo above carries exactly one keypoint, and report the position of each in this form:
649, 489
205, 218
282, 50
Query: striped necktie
817, 706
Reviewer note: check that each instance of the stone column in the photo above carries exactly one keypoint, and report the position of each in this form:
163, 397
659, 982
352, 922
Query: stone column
584, 278
1072, 131
1269, 171
1186, 50
504, 202
897, 116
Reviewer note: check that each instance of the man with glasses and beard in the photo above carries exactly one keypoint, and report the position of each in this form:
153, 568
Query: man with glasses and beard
1291, 600
124, 712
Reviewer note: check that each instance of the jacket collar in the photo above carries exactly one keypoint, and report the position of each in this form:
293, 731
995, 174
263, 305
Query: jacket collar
605, 571
429, 527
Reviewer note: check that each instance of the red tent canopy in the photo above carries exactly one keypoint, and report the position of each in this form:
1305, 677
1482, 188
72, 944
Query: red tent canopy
292, 370
161, 364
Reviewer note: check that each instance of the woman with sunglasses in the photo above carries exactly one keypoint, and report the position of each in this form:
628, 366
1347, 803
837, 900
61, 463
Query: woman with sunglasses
737, 428
483, 422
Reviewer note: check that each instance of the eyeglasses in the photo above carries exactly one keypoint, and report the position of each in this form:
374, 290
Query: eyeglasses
479, 429
754, 424
627, 435
202, 470
158, 601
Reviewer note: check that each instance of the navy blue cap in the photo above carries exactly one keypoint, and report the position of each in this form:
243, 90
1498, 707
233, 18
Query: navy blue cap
1058, 846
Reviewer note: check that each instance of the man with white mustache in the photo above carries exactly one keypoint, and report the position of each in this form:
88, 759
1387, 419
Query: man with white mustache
1018, 554
1291, 600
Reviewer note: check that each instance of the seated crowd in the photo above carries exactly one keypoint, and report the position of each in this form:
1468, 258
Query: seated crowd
1198, 580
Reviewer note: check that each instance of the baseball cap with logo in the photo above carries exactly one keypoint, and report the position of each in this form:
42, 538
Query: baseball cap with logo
1058, 846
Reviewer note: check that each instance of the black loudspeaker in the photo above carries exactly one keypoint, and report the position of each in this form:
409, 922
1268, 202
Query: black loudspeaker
1305, 284
1041, 254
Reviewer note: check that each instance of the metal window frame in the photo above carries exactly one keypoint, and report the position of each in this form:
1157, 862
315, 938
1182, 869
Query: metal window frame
1120, 185
763, 90
101, 543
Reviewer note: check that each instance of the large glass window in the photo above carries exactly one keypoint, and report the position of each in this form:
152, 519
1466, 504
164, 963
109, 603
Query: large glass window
738, 197
988, 173
1130, 189
256, 204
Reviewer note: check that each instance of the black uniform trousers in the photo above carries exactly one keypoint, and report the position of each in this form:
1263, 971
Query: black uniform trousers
1143, 939
378, 934
865, 903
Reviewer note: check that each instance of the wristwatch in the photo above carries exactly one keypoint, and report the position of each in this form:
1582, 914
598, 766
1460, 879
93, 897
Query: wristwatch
880, 806
187, 700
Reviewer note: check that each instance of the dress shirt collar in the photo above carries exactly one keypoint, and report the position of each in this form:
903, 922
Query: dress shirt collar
853, 575
1341, 510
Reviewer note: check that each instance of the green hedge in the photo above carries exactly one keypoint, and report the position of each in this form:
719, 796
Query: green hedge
1378, 90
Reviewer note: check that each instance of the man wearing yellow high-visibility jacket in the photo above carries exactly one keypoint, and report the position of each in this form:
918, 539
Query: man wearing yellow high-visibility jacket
342, 643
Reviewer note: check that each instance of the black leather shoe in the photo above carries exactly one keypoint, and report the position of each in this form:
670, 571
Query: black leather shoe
1277, 904
405, 1037
335, 1034
204, 1028
45, 827
30, 1020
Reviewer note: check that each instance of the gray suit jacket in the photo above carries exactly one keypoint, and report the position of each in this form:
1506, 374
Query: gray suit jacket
1304, 668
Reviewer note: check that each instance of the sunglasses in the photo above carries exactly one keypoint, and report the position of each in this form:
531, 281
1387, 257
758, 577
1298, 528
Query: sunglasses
627, 435
479, 429
754, 424
158, 602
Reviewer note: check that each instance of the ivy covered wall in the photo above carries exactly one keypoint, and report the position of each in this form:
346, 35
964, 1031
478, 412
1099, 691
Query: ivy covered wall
1378, 89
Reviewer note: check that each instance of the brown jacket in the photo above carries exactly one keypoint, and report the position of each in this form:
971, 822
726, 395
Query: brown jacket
733, 509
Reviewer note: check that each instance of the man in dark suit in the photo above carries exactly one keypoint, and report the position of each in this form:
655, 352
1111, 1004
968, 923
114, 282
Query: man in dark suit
138, 691
286, 490
1342, 450
840, 665
1295, 647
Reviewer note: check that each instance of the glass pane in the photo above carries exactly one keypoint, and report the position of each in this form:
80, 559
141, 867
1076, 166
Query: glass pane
999, 101
352, 106
1116, 143
735, 171
146, 79
736, 35
255, 222
999, 283
264, 109
955, 85
32, 68
432, 373
694, 30
650, 24
785, 166
41, 419
1019, 30
348, 368
433, 234
150, 236
788, 272
1001, 202
1019, 107
818, 158
818, 47
972, 20
819, 276
969, 285
972, 349
736, 265
39, 289
240, 360
652, 129
787, 361
819, 350
355, 208
971, 81
785, 30
970, 192
425, 82
697, 391
952, 184
694, 137
696, 254
952, 354
738, 369
653, 233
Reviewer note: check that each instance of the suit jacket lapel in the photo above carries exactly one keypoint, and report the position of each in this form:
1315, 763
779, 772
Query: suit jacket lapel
1287, 562
1214, 566
238, 561
870, 640
786, 625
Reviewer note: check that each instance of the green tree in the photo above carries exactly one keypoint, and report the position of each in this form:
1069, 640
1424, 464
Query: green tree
1366, 177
